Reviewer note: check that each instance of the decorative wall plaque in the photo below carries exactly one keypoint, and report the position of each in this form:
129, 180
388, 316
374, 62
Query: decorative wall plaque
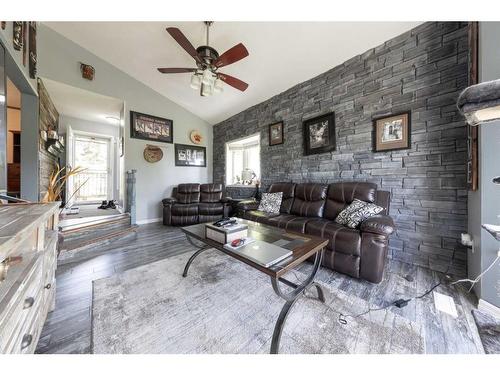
196, 137
17, 35
25, 43
88, 71
153, 154
32, 49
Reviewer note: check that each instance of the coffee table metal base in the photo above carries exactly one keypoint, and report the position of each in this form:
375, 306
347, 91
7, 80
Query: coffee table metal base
290, 297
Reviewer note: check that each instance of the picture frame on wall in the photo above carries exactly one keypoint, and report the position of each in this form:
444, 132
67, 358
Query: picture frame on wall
151, 128
392, 132
190, 155
276, 135
319, 134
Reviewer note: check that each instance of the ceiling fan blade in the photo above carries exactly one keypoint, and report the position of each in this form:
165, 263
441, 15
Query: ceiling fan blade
183, 42
232, 55
176, 70
232, 81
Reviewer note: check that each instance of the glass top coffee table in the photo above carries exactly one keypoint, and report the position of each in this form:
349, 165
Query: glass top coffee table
303, 247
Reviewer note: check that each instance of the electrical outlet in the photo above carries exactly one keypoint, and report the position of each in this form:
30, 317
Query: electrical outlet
445, 304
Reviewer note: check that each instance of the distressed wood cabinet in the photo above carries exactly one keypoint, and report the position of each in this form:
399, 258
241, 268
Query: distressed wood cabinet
28, 259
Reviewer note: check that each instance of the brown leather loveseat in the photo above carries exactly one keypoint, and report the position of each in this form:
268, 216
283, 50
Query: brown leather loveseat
312, 208
195, 203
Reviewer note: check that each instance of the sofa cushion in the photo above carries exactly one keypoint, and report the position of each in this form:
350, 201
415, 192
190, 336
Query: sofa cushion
289, 222
210, 209
210, 193
288, 190
188, 193
271, 202
341, 239
190, 209
342, 194
309, 200
259, 216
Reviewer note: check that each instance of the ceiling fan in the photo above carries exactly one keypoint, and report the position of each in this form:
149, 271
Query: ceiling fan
206, 76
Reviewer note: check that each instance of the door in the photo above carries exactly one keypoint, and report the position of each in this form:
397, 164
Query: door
94, 184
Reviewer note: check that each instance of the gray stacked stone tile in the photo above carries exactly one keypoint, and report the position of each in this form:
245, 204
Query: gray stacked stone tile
423, 71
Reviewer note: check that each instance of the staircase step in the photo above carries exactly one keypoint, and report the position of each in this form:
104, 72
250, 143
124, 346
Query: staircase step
96, 239
74, 225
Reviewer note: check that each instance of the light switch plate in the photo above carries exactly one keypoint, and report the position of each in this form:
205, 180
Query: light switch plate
445, 304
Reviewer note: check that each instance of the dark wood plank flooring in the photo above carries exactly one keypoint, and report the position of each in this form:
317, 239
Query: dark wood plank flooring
68, 327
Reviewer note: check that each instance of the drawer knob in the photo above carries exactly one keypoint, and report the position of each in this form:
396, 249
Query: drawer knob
27, 339
48, 286
28, 302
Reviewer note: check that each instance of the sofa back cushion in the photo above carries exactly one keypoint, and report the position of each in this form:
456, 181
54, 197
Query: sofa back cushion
342, 194
288, 190
210, 193
188, 193
309, 200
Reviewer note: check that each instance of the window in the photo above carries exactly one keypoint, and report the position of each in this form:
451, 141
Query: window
243, 161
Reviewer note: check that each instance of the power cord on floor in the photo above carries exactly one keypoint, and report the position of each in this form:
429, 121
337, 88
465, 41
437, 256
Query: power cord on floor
402, 302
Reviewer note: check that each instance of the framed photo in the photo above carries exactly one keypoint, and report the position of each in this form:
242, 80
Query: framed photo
190, 156
392, 132
319, 134
151, 128
276, 134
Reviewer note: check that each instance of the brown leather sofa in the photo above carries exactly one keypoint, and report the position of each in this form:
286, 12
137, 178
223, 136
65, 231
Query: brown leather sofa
312, 208
195, 203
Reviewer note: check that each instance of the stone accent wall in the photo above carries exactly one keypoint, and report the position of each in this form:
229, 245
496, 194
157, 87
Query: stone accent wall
422, 70
48, 119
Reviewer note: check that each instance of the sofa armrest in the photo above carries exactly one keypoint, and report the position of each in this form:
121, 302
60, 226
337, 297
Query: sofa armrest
247, 205
169, 201
379, 224
226, 200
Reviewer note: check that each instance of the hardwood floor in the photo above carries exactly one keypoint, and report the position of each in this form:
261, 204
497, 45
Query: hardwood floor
68, 327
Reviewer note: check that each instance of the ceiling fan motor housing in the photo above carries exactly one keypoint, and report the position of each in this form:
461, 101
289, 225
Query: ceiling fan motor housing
207, 54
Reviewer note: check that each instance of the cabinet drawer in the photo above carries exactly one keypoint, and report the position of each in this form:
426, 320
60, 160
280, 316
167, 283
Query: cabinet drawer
28, 295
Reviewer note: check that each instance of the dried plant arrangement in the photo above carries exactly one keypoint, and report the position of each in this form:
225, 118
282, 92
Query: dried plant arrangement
58, 180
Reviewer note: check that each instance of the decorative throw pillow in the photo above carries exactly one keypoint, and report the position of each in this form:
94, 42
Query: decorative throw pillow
357, 212
271, 202
358, 216
343, 216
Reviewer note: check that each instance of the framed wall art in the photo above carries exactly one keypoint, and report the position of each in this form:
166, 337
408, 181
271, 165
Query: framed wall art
190, 156
392, 132
151, 128
276, 134
319, 134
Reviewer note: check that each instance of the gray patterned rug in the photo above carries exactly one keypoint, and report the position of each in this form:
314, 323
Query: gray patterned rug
224, 306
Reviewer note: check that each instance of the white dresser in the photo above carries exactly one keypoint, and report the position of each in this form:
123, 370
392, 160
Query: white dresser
28, 259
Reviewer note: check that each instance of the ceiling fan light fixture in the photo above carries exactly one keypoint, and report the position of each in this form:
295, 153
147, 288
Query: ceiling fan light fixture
206, 90
207, 77
218, 87
196, 81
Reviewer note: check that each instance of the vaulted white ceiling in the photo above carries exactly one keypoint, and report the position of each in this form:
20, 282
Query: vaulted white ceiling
82, 104
282, 54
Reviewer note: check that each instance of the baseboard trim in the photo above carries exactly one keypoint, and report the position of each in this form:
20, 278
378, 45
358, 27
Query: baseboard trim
149, 221
489, 308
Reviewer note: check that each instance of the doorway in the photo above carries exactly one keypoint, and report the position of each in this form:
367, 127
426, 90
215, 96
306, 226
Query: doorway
93, 153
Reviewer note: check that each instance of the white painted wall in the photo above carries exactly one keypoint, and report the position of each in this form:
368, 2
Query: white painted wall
59, 60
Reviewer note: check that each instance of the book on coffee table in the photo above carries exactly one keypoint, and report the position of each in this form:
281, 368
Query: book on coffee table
263, 253
226, 234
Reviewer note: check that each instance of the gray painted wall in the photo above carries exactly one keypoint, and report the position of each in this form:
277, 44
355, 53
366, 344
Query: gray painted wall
422, 70
485, 207
19, 75
59, 60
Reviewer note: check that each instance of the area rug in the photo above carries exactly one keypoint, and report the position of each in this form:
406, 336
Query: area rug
489, 331
225, 306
